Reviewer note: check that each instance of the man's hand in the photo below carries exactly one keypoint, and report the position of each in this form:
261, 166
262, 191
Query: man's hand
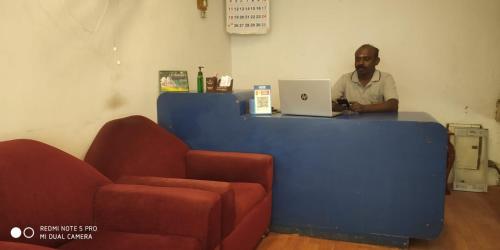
337, 107
357, 107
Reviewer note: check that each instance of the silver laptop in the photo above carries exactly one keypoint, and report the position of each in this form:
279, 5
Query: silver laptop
310, 97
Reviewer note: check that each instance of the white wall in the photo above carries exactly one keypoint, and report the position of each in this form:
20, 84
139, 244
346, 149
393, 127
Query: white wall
59, 77
443, 54
60, 82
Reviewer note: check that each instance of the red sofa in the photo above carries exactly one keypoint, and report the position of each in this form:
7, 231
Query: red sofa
43, 186
135, 150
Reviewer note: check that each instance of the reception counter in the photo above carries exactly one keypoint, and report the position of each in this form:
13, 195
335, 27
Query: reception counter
377, 178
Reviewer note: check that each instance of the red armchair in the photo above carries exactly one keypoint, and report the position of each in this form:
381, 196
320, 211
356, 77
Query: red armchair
136, 150
43, 186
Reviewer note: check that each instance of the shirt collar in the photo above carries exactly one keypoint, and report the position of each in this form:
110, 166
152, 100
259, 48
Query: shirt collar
375, 78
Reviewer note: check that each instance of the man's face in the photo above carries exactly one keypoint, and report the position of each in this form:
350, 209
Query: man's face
365, 61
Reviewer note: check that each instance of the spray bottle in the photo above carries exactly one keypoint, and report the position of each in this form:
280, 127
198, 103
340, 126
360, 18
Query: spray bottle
200, 79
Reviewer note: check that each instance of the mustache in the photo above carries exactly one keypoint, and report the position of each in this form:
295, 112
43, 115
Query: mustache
360, 67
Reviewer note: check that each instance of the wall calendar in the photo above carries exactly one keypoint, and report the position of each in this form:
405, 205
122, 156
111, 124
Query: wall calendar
247, 16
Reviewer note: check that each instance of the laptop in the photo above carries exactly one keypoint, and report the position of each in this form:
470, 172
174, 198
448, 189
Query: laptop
308, 97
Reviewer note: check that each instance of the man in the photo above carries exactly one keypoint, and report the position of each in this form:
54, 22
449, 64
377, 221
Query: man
367, 89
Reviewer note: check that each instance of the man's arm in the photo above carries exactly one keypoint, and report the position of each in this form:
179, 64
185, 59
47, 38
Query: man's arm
338, 90
390, 105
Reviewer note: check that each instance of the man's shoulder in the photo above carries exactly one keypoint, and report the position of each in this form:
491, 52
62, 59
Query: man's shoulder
385, 74
386, 78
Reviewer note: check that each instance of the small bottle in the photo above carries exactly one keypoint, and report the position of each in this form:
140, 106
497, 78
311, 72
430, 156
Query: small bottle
200, 79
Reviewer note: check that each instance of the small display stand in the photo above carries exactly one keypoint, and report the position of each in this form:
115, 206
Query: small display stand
261, 104
173, 81
213, 86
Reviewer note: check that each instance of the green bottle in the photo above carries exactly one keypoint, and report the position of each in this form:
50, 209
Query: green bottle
200, 79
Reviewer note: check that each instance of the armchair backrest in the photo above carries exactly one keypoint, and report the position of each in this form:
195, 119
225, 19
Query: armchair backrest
135, 145
43, 186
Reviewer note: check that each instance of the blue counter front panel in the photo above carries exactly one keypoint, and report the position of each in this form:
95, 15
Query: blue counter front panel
369, 177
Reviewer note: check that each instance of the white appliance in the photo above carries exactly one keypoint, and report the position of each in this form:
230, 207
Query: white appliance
470, 170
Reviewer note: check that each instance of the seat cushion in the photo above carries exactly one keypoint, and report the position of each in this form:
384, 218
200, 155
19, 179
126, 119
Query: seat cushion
238, 198
246, 196
222, 188
107, 240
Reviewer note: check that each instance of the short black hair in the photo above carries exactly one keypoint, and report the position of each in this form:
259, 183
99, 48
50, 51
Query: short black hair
370, 47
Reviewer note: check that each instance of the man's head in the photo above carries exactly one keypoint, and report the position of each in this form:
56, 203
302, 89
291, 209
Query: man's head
365, 60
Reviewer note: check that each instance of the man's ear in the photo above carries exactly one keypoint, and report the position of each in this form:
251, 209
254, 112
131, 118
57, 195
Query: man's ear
377, 60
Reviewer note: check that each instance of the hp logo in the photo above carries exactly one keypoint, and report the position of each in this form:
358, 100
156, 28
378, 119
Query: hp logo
303, 96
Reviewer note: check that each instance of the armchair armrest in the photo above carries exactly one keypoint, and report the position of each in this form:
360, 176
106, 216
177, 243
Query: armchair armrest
230, 167
160, 210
